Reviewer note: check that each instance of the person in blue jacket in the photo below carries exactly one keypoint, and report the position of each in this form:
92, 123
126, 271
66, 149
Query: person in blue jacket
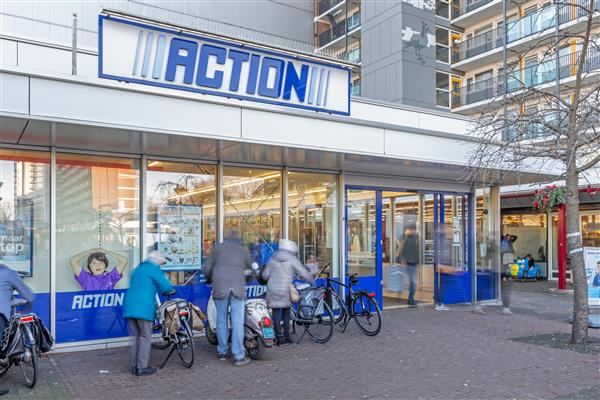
139, 308
596, 280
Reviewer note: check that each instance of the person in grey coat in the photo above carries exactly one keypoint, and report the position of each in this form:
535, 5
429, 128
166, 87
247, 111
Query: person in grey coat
279, 274
228, 268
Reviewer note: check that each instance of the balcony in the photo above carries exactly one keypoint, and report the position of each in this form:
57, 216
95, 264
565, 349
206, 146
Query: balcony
467, 6
535, 75
533, 24
325, 5
469, 12
353, 56
339, 30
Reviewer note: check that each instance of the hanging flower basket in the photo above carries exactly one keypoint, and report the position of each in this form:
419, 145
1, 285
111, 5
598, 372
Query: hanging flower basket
549, 197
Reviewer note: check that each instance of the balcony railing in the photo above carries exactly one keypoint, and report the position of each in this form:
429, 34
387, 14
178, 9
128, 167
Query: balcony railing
325, 5
534, 75
470, 5
339, 30
531, 24
354, 55
355, 89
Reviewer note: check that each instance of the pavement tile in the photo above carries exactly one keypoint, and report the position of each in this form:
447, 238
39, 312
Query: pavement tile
419, 354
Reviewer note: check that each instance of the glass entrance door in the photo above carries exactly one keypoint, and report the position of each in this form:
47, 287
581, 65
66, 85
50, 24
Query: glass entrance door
409, 248
363, 238
407, 278
451, 264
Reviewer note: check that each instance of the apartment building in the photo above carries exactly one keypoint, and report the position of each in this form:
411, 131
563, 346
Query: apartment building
492, 36
337, 30
451, 55
517, 36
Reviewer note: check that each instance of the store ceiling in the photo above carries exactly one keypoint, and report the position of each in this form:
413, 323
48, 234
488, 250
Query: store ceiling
105, 139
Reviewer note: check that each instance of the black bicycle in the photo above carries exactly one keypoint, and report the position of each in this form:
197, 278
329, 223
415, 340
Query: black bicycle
359, 305
19, 346
173, 319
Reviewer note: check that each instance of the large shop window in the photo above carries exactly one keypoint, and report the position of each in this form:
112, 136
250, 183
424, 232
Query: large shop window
25, 221
181, 222
97, 243
313, 219
252, 205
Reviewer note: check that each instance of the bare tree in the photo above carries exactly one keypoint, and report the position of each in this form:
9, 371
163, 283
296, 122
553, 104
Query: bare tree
547, 116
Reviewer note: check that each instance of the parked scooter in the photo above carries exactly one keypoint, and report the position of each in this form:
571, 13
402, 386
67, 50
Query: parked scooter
258, 326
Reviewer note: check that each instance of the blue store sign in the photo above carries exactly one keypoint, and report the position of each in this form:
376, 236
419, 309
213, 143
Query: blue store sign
137, 52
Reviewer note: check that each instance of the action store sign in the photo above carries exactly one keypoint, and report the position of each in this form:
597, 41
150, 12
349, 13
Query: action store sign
132, 51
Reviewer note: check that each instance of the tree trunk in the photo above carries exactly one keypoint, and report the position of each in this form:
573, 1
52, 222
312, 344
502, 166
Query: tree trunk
575, 252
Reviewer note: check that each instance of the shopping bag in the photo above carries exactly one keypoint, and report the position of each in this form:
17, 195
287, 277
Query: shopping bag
395, 279
198, 318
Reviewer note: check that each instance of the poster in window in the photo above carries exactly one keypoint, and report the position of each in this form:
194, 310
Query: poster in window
179, 238
16, 240
591, 257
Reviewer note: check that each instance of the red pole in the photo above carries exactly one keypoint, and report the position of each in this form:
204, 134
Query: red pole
562, 247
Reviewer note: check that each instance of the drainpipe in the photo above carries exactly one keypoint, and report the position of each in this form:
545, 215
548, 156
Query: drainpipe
346, 26
74, 46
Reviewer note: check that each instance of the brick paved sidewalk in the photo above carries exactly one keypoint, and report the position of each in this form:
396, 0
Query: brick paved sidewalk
420, 353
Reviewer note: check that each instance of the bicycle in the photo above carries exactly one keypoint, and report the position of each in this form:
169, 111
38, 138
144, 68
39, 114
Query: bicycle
313, 314
19, 345
359, 305
178, 336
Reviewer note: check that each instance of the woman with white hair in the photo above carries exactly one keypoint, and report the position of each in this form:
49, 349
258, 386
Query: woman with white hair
139, 307
279, 273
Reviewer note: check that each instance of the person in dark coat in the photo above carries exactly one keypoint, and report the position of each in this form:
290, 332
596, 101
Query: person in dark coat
410, 255
139, 308
279, 273
228, 269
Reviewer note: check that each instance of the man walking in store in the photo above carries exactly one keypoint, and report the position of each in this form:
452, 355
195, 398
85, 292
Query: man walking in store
410, 254
228, 268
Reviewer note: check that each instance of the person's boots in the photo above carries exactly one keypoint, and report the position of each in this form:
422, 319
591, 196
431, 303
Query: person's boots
279, 340
287, 340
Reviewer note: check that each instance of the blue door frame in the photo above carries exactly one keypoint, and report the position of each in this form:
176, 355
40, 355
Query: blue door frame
463, 280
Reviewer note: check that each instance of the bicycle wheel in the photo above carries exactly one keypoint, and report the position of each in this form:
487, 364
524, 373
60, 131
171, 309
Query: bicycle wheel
28, 360
185, 344
366, 313
320, 329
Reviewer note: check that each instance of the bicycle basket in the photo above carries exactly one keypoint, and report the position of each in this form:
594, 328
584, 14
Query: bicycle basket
14, 345
44, 338
168, 317
309, 304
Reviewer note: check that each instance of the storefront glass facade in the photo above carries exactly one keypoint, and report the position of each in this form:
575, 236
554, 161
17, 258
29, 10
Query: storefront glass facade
25, 221
97, 242
252, 208
109, 211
